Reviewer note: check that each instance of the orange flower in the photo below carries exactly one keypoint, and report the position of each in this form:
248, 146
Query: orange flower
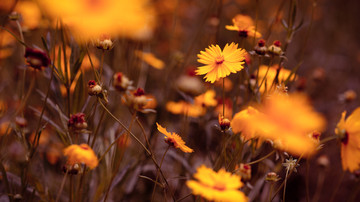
185, 108
30, 14
89, 19
271, 74
150, 59
219, 64
287, 120
216, 186
244, 25
240, 122
174, 140
207, 99
81, 154
349, 132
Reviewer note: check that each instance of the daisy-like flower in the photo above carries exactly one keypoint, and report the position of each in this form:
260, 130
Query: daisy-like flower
185, 108
244, 25
219, 64
81, 154
349, 132
287, 120
216, 186
174, 140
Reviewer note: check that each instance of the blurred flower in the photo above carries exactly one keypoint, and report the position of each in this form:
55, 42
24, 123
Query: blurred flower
36, 58
244, 25
81, 154
228, 84
151, 102
347, 96
137, 100
240, 123
244, 171
219, 64
216, 186
185, 108
6, 44
260, 49
121, 82
271, 74
3, 107
5, 128
287, 120
207, 99
190, 85
104, 42
89, 19
323, 161
349, 132
275, 48
77, 122
272, 177
30, 13
150, 59
174, 140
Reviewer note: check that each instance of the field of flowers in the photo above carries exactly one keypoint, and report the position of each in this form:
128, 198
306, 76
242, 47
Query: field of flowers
179, 100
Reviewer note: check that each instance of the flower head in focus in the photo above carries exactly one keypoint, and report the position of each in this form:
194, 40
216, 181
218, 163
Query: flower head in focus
244, 25
174, 140
81, 154
216, 186
348, 131
89, 19
220, 63
287, 120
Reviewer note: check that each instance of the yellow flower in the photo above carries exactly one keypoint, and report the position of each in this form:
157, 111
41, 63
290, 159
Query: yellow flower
287, 120
207, 99
271, 74
150, 59
244, 25
174, 140
349, 131
81, 154
219, 64
240, 122
89, 19
185, 108
216, 186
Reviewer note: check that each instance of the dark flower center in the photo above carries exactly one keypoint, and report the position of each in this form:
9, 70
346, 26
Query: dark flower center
243, 33
345, 139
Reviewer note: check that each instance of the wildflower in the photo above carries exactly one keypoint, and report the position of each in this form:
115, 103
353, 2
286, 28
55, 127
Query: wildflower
291, 164
89, 19
260, 49
244, 25
136, 100
207, 99
323, 161
190, 84
77, 122
287, 120
151, 102
150, 59
240, 122
174, 140
275, 48
121, 82
272, 177
244, 171
94, 88
224, 123
81, 154
36, 58
349, 132
104, 42
216, 186
347, 96
219, 64
185, 108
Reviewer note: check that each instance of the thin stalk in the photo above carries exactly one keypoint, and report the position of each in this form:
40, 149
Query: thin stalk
61, 186
80, 184
320, 183
327, 139
262, 158
286, 177
97, 129
223, 96
4, 177
267, 71
307, 180
270, 191
71, 189
157, 173
102, 63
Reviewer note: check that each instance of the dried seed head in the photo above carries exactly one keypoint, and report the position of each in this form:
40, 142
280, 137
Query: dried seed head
272, 177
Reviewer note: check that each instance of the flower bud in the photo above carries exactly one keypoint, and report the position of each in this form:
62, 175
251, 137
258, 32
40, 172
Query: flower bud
104, 42
121, 82
323, 161
94, 88
272, 177
244, 170
77, 122
260, 49
275, 48
224, 123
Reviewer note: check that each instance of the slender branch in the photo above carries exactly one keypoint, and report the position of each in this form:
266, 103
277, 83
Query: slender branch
157, 173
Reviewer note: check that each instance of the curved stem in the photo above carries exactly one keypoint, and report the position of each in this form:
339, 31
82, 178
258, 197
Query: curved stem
262, 158
286, 177
157, 173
